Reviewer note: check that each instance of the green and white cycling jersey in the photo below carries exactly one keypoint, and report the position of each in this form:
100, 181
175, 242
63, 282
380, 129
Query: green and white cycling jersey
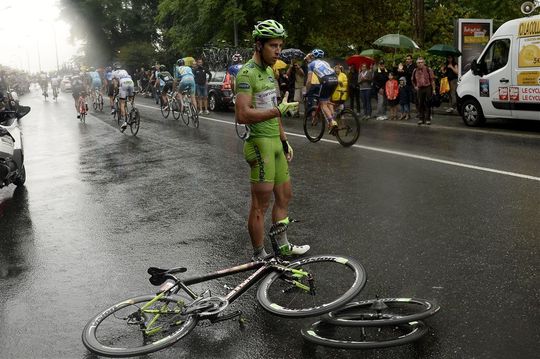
259, 83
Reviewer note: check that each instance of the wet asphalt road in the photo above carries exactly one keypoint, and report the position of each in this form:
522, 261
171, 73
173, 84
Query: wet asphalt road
445, 213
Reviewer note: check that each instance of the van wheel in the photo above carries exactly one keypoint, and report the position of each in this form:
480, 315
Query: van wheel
472, 113
212, 102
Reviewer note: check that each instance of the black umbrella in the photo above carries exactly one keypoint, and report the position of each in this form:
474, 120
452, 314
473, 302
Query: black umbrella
290, 54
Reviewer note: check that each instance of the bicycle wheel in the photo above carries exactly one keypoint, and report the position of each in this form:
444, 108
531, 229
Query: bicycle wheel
94, 104
165, 110
322, 333
241, 130
83, 117
326, 282
100, 103
133, 327
382, 311
184, 112
348, 127
134, 121
175, 109
195, 116
314, 125
119, 118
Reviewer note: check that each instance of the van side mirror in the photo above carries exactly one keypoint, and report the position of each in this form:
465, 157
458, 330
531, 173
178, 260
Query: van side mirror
474, 67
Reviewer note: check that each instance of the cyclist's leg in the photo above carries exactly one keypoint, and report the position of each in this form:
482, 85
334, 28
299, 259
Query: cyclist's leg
258, 155
282, 195
261, 194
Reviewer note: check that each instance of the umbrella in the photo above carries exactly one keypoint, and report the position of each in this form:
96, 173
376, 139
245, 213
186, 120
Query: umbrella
444, 50
291, 54
372, 53
396, 41
279, 65
359, 60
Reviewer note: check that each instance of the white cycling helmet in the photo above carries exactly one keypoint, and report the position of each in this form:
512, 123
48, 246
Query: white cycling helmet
237, 58
317, 53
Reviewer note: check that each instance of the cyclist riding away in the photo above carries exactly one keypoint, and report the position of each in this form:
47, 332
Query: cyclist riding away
44, 83
110, 87
328, 80
55, 84
233, 70
95, 83
165, 83
78, 90
266, 150
187, 81
126, 90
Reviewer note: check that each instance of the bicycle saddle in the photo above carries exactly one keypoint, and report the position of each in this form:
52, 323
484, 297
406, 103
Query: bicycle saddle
158, 276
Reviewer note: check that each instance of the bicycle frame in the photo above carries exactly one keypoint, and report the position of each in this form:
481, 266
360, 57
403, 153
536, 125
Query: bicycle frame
261, 268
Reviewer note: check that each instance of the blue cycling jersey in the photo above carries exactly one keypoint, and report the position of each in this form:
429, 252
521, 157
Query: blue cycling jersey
182, 72
321, 68
95, 77
233, 69
108, 75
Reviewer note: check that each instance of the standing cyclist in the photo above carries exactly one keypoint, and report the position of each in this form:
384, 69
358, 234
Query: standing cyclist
126, 90
266, 150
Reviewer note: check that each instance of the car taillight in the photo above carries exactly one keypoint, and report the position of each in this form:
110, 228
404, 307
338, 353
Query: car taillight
227, 83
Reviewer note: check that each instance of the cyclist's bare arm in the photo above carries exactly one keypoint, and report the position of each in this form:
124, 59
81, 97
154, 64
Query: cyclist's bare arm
246, 114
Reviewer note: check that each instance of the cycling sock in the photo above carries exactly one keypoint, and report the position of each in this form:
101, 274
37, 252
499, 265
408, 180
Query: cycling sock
281, 238
259, 252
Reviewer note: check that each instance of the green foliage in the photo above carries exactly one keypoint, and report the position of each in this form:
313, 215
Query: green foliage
180, 27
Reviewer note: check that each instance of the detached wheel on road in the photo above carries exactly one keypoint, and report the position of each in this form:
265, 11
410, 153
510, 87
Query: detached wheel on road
329, 335
472, 113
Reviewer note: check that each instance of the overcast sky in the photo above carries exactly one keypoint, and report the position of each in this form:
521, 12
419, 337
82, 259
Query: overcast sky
27, 29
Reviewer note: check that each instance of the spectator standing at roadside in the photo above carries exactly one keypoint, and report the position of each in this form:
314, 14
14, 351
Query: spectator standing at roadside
404, 98
354, 89
340, 94
380, 76
392, 93
423, 80
406, 70
450, 71
365, 83
202, 78
296, 83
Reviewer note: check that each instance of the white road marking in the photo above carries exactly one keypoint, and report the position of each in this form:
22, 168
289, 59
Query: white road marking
398, 153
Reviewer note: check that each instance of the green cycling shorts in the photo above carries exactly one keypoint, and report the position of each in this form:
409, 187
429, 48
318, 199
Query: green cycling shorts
267, 160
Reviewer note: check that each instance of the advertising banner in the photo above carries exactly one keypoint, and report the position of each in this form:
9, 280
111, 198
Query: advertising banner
473, 36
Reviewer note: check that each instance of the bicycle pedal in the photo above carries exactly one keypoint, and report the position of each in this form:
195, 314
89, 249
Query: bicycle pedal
224, 317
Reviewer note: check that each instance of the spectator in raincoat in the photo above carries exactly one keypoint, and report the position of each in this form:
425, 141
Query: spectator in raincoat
341, 93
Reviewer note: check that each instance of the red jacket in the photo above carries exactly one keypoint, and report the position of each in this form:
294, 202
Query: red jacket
392, 89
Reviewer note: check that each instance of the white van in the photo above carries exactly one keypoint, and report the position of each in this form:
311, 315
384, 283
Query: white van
505, 81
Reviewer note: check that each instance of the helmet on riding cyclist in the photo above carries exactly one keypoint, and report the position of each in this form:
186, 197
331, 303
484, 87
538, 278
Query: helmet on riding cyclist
269, 29
180, 62
317, 53
108, 68
237, 57
117, 66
